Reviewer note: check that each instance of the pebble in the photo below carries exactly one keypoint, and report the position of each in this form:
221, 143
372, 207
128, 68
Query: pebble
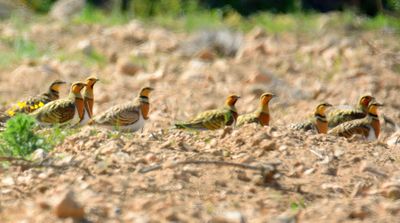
69, 208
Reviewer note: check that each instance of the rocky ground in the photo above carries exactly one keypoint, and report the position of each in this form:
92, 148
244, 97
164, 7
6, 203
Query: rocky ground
252, 174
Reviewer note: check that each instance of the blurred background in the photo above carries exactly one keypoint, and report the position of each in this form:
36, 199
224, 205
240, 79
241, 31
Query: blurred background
145, 8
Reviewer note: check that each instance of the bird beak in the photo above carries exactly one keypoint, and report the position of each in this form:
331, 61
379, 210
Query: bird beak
151, 89
379, 104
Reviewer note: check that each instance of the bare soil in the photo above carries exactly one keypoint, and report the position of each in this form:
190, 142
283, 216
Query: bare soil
142, 177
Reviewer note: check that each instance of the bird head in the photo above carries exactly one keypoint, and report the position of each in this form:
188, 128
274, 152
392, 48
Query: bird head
145, 92
77, 87
90, 81
321, 108
364, 102
56, 85
373, 107
231, 100
266, 97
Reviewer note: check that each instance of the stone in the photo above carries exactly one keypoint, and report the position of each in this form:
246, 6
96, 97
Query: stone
126, 67
39, 155
228, 217
65, 9
69, 208
85, 46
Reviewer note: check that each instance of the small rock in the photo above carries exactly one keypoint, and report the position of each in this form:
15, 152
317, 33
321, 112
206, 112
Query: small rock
258, 78
391, 190
85, 46
309, 171
39, 155
228, 217
66, 9
332, 187
206, 55
151, 158
359, 213
127, 67
338, 153
173, 217
285, 218
7, 181
329, 171
368, 167
269, 146
394, 140
69, 208
243, 176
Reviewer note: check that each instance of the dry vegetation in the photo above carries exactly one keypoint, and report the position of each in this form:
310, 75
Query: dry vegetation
281, 176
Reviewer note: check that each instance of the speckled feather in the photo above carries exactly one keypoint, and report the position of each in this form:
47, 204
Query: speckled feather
211, 120
120, 115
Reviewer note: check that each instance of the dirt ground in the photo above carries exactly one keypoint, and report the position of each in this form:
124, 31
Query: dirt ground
283, 175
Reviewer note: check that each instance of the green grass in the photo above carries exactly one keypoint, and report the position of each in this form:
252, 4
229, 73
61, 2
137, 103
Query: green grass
297, 205
89, 60
20, 138
192, 18
19, 48
91, 15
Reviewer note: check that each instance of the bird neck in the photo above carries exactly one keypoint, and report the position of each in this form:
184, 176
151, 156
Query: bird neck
321, 123
264, 108
263, 114
144, 106
80, 106
72, 95
375, 123
88, 92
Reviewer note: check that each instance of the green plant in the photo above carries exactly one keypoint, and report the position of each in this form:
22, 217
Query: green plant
296, 205
18, 138
19, 48
54, 136
39, 5
92, 15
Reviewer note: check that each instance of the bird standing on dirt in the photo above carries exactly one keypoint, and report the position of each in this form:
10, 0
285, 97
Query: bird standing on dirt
318, 122
369, 127
261, 115
214, 119
33, 103
88, 99
338, 116
128, 117
68, 110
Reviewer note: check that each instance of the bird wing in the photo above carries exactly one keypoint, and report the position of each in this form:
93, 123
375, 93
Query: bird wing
247, 118
306, 125
120, 115
337, 117
347, 129
211, 120
58, 111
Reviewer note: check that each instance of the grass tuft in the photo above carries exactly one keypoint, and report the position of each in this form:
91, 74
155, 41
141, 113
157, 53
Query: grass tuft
19, 139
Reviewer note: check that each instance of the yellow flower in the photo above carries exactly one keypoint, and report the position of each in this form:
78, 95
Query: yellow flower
11, 113
21, 104
32, 107
41, 104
